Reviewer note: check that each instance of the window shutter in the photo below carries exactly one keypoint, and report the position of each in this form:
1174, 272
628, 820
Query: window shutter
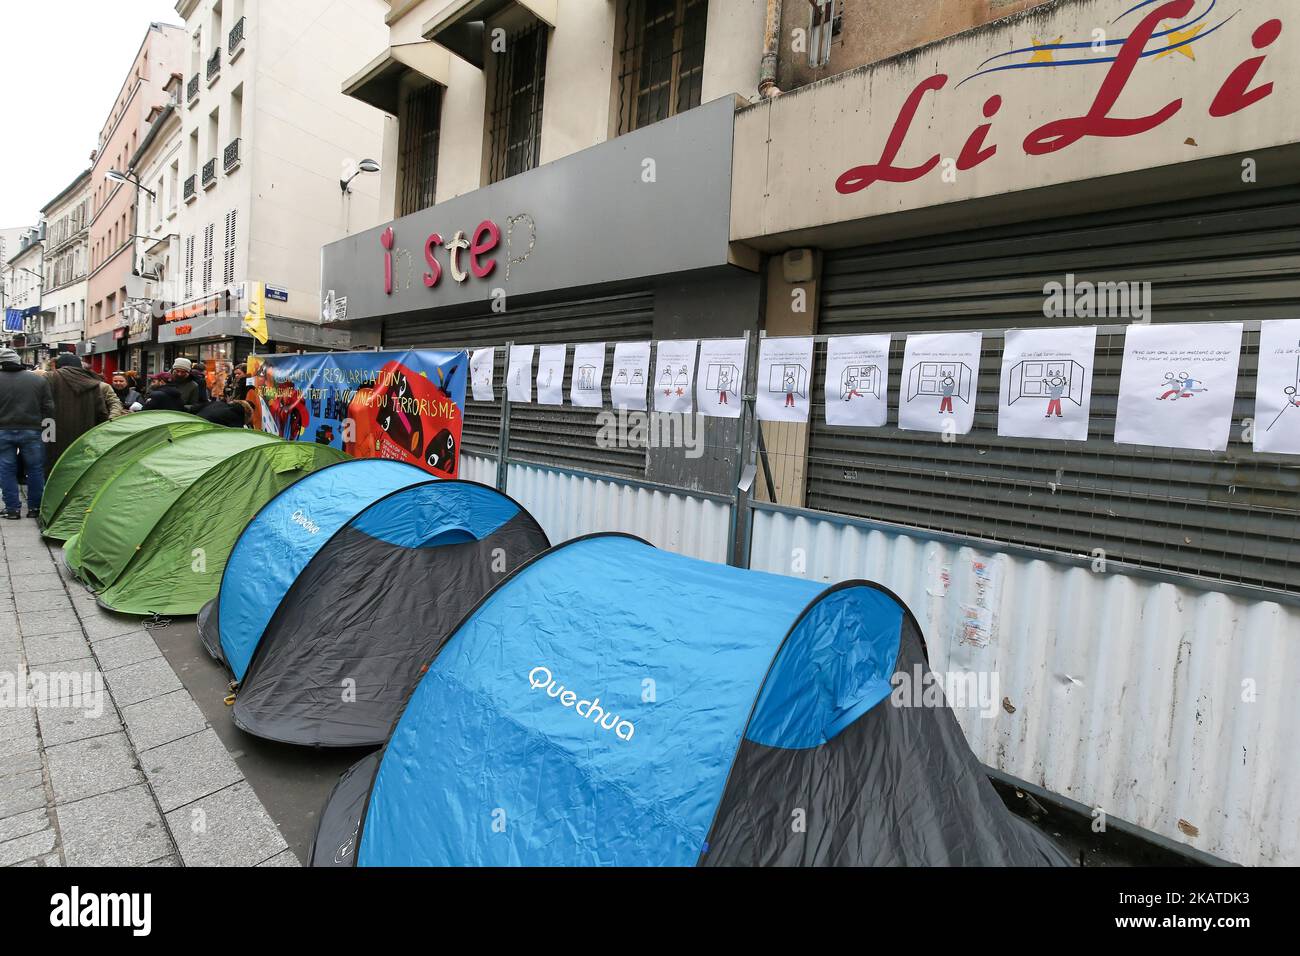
228, 276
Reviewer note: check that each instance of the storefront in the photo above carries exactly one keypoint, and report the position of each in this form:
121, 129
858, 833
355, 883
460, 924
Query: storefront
219, 342
107, 352
624, 241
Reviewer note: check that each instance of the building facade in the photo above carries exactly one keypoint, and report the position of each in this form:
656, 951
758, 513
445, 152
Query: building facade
67, 260
265, 139
588, 145
113, 260
156, 165
25, 315
890, 175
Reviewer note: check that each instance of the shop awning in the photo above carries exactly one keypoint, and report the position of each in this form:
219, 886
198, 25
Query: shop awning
459, 25
378, 83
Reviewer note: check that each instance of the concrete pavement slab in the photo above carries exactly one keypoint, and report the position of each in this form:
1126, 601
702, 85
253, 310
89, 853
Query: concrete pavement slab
114, 652
143, 681
85, 768
122, 828
184, 770
152, 723
227, 828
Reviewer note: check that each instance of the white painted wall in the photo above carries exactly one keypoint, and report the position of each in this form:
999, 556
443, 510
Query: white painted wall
298, 131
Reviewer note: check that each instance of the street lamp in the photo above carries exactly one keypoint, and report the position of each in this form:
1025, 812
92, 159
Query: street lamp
365, 166
113, 176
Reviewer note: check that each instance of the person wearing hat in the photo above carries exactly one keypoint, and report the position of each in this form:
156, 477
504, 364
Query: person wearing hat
183, 379
26, 404
79, 404
163, 395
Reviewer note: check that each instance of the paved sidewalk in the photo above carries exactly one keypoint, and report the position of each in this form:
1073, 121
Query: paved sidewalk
126, 771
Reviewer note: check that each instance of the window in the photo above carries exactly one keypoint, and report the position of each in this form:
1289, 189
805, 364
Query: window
228, 273
661, 60
189, 267
209, 242
421, 121
515, 122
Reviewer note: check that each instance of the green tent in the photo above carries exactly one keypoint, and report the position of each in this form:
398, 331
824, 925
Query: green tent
97, 456
156, 538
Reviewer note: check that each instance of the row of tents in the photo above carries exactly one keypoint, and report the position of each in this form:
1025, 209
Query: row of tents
597, 702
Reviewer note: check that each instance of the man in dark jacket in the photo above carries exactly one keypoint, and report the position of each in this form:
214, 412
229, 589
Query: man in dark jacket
185, 382
163, 395
79, 404
26, 405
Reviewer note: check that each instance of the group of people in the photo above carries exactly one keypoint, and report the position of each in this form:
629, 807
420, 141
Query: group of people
43, 412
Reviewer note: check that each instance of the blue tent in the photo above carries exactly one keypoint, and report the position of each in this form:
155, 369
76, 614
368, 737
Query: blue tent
342, 588
613, 704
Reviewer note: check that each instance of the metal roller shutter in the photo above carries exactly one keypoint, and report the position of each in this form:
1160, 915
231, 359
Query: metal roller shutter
563, 436
1233, 516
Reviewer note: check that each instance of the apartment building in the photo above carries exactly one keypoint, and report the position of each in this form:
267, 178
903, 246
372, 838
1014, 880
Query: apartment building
112, 203
156, 168
559, 171
67, 262
265, 140
24, 309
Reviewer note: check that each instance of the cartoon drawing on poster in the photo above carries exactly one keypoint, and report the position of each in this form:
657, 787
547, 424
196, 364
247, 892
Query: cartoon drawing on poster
1046, 389
482, 366
857, 380
550, 374
939, 384
519, 376
588, 375
1177, 385
628, 384
674, 375
722, 375
784, 374
1277, 389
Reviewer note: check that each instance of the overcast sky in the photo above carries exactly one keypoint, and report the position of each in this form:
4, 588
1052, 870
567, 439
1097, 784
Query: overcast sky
62, 63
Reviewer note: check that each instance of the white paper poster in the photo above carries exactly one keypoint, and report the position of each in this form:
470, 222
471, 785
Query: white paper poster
1177, 385
722, 374
631, 370
784, 379
674, 375
939, 384
1046, 388
550, 374
857, 380
1277, 390
482, 366
519, 376
588, 377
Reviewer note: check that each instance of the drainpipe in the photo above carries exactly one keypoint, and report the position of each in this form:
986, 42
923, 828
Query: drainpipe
767, 87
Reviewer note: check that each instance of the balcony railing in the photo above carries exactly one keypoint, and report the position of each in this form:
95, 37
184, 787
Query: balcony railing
192, 89
191, 188
235, 45
214, 66
210, 174
230, 159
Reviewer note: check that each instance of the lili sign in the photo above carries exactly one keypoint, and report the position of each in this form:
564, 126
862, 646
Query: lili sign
1167, 28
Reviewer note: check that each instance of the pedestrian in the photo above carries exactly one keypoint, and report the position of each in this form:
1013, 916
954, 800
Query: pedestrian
79, 404
164, 395
236, 414
186, 384
199, 373
131, 400
26, 404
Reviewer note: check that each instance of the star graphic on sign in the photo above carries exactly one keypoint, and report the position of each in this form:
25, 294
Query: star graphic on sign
680, 392
1181, 36
1044, 56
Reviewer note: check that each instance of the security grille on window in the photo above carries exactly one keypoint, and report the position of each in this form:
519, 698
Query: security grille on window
421, 122
516, 118
209, 242
228, 274
661, 60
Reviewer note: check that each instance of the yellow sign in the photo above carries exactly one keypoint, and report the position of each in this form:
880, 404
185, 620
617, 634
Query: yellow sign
255, 320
